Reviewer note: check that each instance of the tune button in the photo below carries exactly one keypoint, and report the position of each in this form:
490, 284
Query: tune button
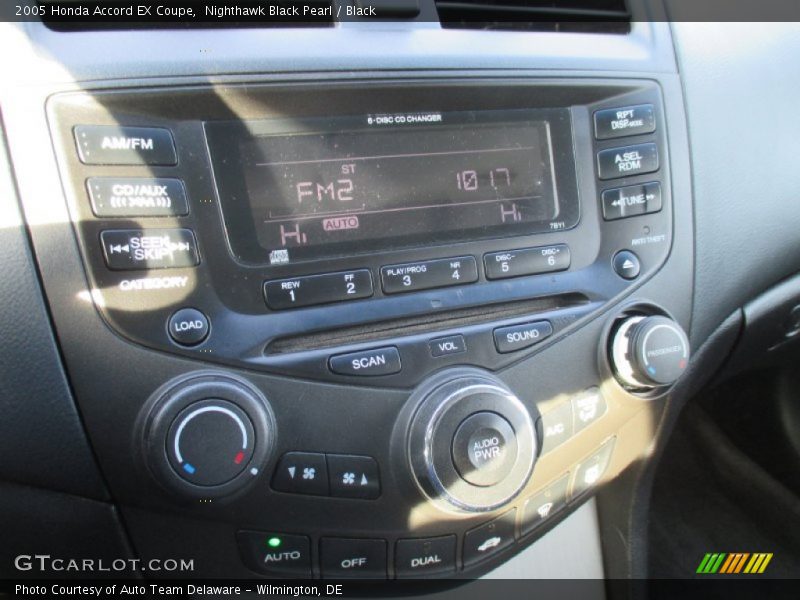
484, 449
188, 327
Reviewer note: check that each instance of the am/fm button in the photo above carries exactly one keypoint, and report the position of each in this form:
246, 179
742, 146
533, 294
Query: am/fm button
518, 337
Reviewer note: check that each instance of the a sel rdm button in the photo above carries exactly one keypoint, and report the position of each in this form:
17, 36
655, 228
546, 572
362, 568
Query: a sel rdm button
527, 261
113, 145
318, 289
627, 161
427, 274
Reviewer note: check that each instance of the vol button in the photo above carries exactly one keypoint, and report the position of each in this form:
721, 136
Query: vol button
188, 327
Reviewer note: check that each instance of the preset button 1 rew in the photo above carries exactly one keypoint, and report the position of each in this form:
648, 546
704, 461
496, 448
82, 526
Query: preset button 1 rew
318, 289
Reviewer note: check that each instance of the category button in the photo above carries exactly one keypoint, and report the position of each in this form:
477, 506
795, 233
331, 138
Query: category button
631, 200
137, 197
518, 337
276, 553
318, 289
627, 161
425, 556
428, 274
527, 261
483, 541
379, 361
113, 145
130, 249
620, 122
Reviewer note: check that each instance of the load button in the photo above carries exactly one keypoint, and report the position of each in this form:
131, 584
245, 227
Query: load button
378, 361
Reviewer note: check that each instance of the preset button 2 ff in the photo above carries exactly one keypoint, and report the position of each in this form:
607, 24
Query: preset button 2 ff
318, 289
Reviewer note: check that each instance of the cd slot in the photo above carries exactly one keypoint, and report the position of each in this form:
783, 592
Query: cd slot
422, 324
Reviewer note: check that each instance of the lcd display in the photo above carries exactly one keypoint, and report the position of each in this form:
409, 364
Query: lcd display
393, 182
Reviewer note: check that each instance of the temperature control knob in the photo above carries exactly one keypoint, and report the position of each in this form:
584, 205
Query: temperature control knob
208, 435
649, 352
210, 442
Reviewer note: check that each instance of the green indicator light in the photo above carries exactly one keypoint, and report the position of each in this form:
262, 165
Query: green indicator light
274, 542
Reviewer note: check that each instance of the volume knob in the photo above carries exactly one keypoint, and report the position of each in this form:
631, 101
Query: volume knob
649, 352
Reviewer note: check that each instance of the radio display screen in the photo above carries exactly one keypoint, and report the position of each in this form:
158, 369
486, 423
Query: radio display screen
295, 190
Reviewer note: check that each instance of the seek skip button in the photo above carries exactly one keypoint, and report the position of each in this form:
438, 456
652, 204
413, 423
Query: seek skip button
378, 361
517, 337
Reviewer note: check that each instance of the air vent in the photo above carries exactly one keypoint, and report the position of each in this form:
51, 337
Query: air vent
582, 16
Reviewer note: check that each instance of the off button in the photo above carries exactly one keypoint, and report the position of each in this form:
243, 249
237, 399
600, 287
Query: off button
188, 327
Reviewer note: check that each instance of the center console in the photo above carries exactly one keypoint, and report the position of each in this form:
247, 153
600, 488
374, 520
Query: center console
394, 325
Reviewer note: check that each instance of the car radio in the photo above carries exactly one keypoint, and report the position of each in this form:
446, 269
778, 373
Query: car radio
415, 301
294, 231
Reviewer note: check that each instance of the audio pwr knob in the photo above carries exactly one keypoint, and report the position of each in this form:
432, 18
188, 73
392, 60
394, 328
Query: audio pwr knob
649, 352
472, 443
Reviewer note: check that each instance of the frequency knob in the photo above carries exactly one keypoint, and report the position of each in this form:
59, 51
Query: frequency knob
208, 435
649, 352
472, 443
